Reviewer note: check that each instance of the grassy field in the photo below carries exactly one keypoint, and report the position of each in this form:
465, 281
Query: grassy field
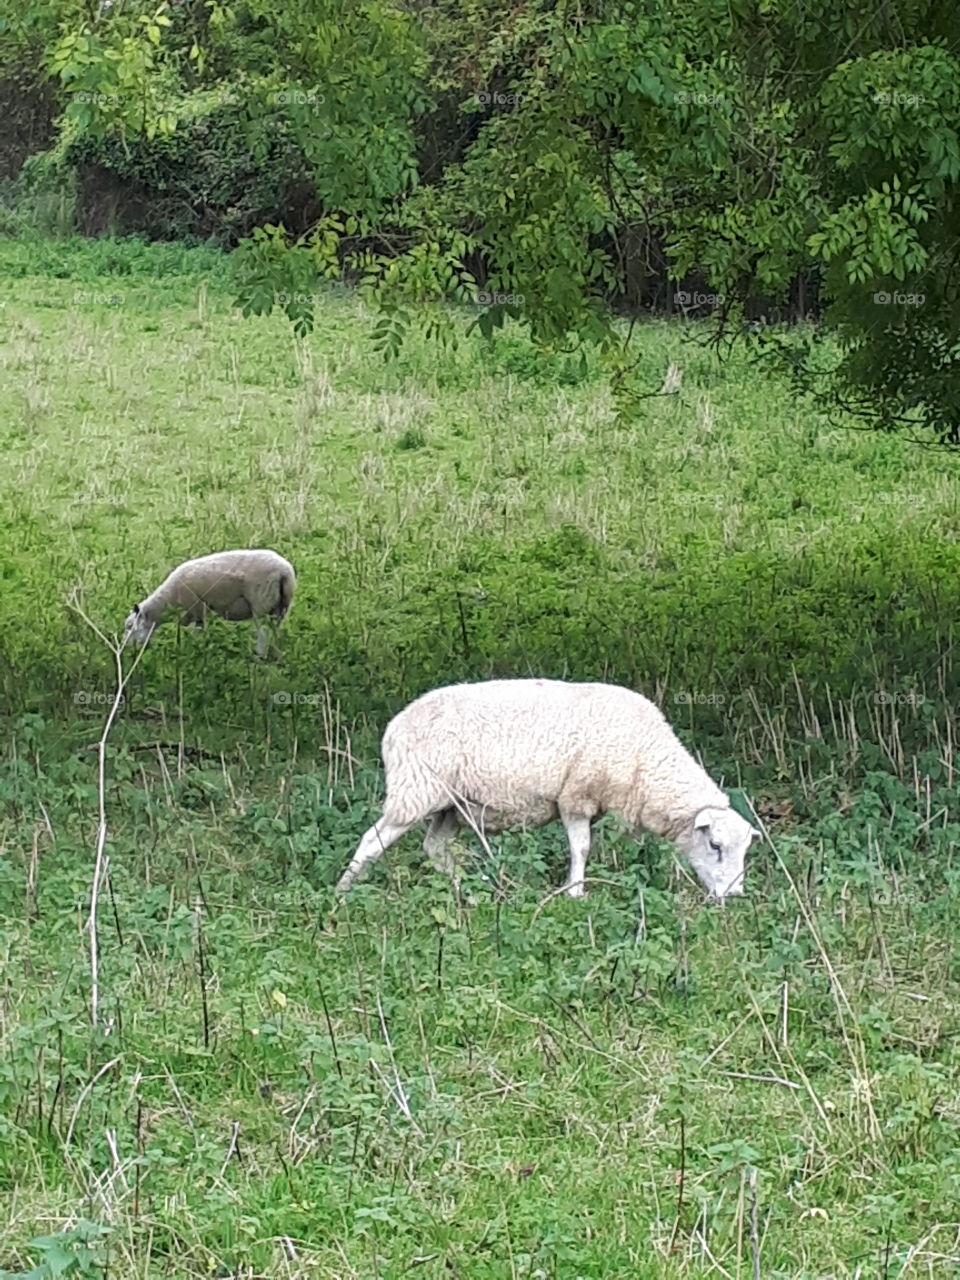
506, 1084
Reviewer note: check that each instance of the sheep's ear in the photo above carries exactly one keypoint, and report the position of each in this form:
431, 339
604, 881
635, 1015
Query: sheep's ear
755, 834
136, 609
702, 820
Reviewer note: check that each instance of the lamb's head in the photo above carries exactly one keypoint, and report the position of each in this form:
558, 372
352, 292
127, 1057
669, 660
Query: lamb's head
136, 627
715, 844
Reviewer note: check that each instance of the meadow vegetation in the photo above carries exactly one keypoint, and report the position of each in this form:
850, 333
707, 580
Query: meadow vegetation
417, 1082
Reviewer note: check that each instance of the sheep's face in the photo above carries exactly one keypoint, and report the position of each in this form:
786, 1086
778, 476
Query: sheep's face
136, 627
716, 847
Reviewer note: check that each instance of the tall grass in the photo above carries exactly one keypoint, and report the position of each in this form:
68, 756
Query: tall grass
451, 517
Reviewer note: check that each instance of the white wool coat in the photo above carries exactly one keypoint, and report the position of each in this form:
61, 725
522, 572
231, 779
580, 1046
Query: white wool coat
520, 751
237, 585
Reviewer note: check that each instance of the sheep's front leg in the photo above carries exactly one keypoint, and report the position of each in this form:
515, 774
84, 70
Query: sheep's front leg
578, 835
195, 616
261, 642
375, 841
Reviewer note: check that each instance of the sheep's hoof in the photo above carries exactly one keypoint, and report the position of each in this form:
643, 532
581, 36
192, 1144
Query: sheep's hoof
577, 890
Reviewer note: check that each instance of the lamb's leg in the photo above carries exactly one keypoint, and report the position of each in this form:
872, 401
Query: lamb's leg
436, 843
578, 835
268, 641
375, 841
195, 616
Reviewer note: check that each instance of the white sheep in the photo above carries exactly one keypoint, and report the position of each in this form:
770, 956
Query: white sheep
504, 754
237, 585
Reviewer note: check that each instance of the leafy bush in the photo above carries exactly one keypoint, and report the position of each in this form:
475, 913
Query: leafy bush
216, 176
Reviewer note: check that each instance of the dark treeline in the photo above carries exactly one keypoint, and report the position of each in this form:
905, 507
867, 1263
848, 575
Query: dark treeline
559, 164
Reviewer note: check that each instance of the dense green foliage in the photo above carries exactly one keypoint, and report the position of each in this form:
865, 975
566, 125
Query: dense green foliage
549, 160
416, 1083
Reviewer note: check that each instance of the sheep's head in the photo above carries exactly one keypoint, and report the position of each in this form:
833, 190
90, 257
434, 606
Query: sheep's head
136, 627
715, 845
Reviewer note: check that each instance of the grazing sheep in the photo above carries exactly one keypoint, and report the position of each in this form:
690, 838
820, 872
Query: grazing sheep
237, 585
521, 753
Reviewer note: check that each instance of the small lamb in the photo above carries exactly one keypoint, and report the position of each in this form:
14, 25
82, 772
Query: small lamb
503, 754
237, 585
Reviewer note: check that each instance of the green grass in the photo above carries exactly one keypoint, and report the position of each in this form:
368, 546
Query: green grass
513, 1085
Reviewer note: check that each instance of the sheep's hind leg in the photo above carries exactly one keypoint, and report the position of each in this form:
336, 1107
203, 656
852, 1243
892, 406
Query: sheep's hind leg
578, 835
268, 643
375, 841
436, 843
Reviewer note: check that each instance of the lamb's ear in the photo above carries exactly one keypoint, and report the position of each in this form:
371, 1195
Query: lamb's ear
136, 609
702, 820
